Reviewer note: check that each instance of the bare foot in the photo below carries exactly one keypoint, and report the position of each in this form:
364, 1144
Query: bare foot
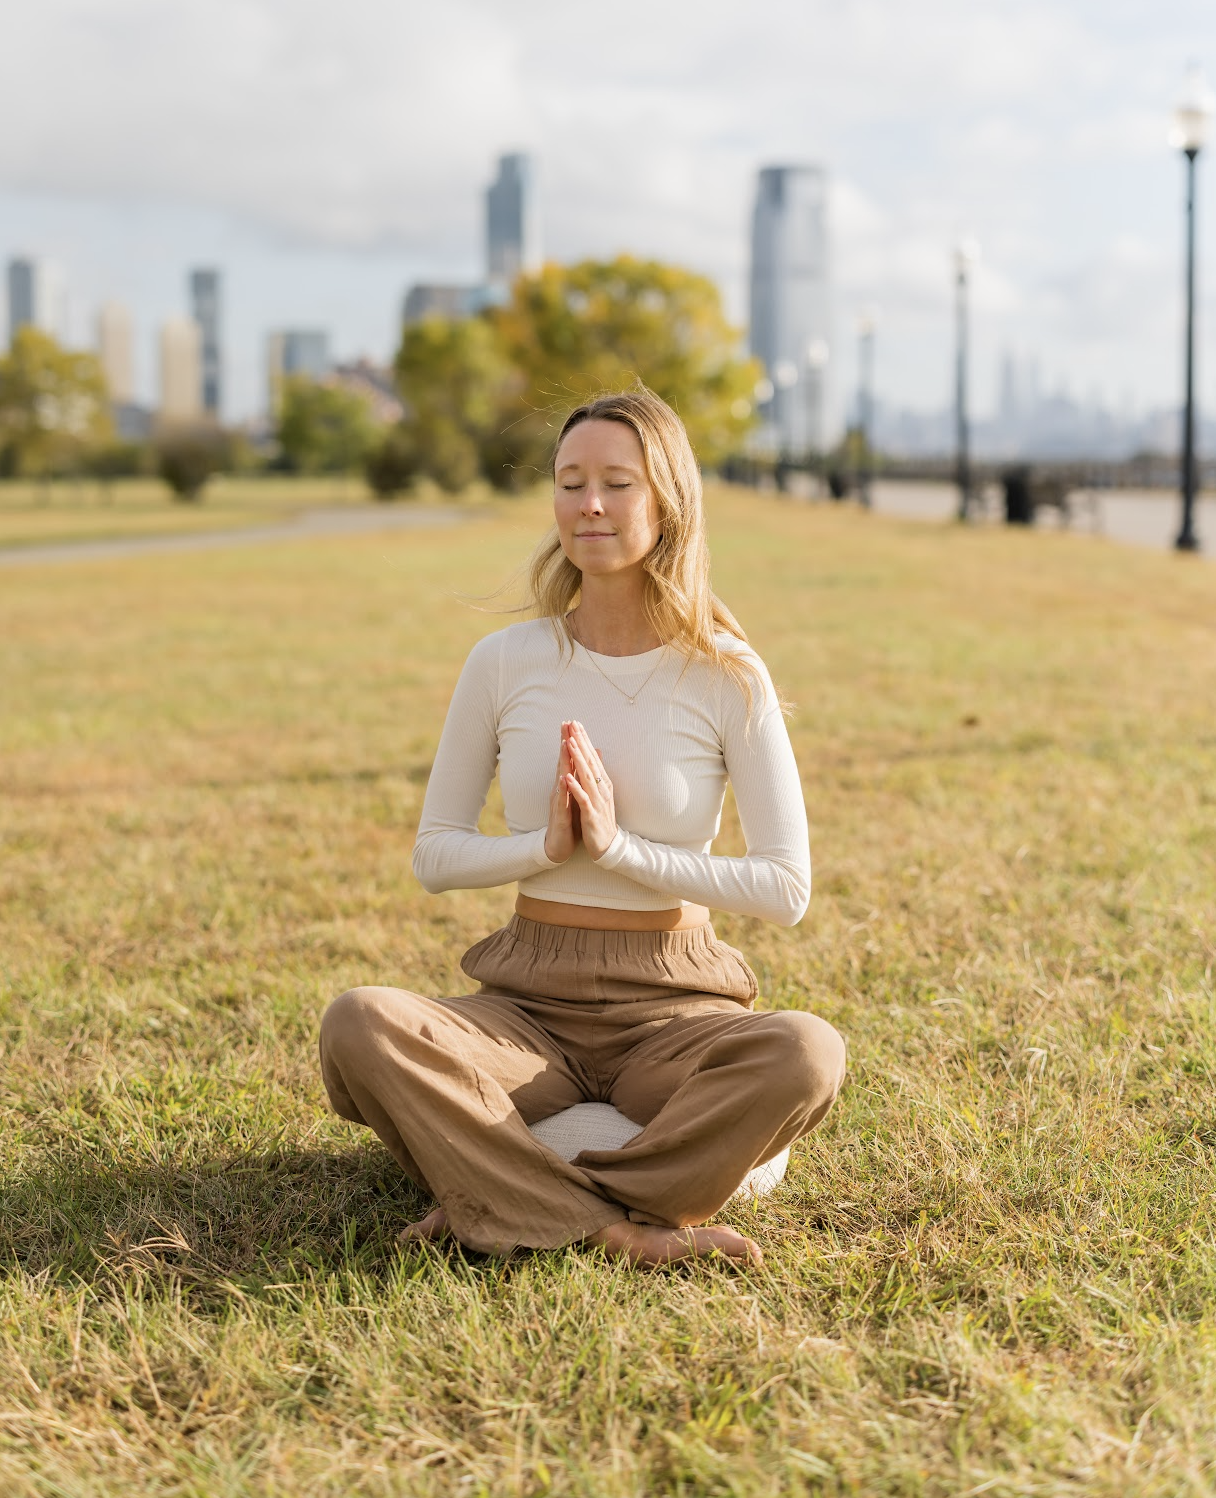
641, 1243
433, 1225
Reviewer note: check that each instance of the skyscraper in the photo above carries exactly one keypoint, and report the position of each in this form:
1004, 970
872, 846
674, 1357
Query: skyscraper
205, 308
790, 304
295, 351
512, 224
181, 370
115, 351
35, 297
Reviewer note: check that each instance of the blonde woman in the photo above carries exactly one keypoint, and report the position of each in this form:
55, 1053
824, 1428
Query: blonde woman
614, 720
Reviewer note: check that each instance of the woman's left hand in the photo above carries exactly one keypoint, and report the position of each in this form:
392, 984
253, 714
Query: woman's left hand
591, 788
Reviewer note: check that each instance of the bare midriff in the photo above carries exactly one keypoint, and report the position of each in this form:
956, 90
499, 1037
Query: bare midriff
597, 918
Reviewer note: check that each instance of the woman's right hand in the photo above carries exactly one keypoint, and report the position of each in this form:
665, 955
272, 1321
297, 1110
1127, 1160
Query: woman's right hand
563, 833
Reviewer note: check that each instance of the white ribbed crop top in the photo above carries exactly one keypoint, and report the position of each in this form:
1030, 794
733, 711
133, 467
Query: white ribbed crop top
669, 755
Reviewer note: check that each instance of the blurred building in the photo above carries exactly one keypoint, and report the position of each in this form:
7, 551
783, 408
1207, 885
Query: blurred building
512, 221
512, 245
295, 351
181, 370
428, 300
790, 306
36, 297
116, 351
116, 355
205, 308
374, 384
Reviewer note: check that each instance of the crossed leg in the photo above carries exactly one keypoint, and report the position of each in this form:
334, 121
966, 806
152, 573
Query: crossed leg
460, 1079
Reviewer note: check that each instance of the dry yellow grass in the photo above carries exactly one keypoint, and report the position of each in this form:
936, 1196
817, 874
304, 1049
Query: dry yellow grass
992, 1271
34, 514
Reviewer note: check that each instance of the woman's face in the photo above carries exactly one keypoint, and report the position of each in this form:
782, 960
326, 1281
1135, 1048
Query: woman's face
607, 515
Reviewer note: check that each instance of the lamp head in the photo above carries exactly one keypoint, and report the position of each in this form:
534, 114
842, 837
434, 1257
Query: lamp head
817, 353
1193, 113
966, 253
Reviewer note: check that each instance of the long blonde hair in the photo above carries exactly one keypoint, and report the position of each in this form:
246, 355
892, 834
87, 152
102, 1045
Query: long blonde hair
680, 605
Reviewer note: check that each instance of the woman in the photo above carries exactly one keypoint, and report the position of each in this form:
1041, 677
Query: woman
614, 721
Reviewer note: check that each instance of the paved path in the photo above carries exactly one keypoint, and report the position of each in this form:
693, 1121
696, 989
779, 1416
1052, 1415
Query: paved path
339, 521
1139, 517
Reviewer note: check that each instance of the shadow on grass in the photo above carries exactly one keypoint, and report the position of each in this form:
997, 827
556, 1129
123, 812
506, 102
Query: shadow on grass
218, 1224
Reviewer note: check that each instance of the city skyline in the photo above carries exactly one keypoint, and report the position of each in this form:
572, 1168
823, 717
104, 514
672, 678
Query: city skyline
348, 161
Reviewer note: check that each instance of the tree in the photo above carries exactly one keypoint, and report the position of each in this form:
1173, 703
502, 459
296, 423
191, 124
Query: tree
324, 428
457, 384
53, 405
575, 331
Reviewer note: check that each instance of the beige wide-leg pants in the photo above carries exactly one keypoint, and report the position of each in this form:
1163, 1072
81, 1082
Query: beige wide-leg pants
656, 1023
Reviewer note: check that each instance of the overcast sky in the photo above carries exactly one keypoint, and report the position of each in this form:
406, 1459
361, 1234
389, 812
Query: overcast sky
326, 155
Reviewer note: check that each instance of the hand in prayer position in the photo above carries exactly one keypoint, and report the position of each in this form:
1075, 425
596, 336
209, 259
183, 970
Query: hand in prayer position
581, 808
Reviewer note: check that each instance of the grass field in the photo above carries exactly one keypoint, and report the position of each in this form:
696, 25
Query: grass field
992, 1271
37, 514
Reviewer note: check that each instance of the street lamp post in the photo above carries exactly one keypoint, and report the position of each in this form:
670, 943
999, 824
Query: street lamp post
1189, 133
966, 253
866, 324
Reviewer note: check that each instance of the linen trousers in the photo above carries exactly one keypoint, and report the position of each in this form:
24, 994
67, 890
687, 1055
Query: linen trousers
658, 1023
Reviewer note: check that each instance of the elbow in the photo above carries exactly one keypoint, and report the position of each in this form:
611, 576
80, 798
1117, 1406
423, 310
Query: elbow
796, 896
425, 867
791, 914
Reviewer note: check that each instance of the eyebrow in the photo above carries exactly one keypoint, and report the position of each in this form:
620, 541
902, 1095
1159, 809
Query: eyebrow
608, 467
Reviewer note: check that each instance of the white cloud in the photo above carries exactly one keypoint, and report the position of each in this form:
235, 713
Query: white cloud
348, 124
348, 135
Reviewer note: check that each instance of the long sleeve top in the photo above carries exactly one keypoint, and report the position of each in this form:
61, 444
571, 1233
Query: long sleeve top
669, 755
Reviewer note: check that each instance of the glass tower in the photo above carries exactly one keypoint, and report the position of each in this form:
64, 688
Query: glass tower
512, 228
790, 305
205, 309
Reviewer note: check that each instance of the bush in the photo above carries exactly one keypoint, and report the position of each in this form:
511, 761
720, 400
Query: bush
392, 465
186, 459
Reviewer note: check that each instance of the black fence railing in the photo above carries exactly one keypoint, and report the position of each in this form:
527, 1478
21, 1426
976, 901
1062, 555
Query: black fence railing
1145, 471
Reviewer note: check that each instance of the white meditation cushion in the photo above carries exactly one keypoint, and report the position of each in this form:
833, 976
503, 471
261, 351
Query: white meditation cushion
600, 1126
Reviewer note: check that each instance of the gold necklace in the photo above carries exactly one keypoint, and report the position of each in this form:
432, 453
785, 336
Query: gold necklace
630, 700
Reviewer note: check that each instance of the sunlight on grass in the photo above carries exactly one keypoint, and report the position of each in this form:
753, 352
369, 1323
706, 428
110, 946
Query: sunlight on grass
38, 514
993, 1270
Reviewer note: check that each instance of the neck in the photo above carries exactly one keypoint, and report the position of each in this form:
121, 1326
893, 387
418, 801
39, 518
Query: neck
611, 619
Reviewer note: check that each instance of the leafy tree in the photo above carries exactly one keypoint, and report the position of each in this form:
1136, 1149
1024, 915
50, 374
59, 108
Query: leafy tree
574, 331
121, 460
324, 428
53, 405
457, 384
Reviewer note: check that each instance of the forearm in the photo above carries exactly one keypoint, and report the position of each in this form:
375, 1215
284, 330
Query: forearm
773, 887
452, 858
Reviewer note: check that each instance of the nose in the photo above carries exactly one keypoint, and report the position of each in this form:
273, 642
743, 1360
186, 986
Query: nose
591, 502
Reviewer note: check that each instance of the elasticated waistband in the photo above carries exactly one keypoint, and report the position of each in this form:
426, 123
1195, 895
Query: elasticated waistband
609, 944
582, 966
